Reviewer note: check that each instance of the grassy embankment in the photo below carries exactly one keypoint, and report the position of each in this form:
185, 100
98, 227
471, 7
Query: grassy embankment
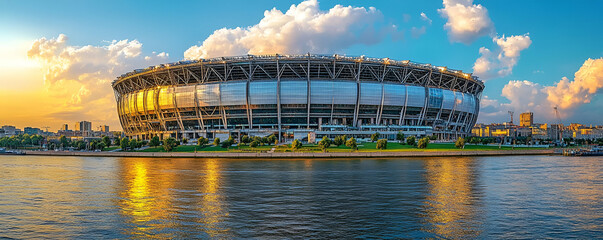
362, 147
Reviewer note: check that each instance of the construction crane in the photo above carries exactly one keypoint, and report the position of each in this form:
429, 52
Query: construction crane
557, 115
511, 114
559, 130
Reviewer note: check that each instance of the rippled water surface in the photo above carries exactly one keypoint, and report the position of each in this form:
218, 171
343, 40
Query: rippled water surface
478, 197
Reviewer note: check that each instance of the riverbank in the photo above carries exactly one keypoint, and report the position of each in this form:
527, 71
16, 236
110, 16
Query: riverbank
296, 154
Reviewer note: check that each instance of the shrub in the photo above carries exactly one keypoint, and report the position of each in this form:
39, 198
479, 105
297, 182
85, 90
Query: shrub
124, 143
296, 145
133, 144
184, 140
324, 143
460, 143
202, 141
216, 142
382, 144
423, 142
107, 141
245, 139
351, 143
375, 136
411, 140
154, 142
254, 144
169, 144
400, 137
339, 140
227, 143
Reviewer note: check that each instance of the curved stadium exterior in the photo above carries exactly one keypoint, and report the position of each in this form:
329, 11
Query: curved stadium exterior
292, 96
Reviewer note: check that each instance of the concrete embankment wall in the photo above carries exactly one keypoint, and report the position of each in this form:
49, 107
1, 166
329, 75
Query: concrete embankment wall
297, 154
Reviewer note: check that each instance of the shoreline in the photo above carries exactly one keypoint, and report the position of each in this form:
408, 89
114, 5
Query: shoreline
296, 154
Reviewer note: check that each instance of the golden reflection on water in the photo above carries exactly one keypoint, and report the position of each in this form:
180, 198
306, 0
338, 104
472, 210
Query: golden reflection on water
450, 204
155, 192
213, 203
146, 198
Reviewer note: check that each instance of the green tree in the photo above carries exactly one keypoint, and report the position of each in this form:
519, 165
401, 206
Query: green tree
169, 144
217, 142
133, 144
382, 144
400, 137
411, 140
460, 143
100, 145
107, 141
296, 144
324, 143
227, 143
154, 141
184, 140
338, 141
271, 139
351, 143
423, 142
375, 136
245, 139
124, 143
254, 144
64, 141
202, 141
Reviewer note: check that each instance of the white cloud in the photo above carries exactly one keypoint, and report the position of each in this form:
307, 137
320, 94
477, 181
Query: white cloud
417, 32
425, 18
301, 29
82, 74
587, 82
566, 94
500, 63
466, 21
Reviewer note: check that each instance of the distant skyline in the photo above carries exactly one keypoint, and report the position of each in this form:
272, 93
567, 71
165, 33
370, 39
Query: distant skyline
58, 58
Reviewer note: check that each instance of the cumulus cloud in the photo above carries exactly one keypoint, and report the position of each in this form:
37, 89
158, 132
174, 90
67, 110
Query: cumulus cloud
500, 62
466, 21
301, 29
565, 94
417, 32
82, 74
587, 82
425, 18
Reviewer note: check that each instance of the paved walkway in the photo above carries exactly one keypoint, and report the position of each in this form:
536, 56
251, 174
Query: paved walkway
297, 154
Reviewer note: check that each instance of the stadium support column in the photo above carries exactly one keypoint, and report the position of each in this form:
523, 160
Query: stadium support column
308, 93
357, 108
249, 117
278, 96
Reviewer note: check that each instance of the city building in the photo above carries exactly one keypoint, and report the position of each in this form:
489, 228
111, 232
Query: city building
292, 96
65, 127
526, 119
32, 131
83, 126
103, 128
11, 130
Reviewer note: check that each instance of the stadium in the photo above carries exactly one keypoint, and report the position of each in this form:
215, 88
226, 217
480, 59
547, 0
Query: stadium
300, 96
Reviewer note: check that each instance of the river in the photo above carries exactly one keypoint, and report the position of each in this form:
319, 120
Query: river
515, 197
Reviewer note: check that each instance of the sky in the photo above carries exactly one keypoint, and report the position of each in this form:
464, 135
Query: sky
58, 58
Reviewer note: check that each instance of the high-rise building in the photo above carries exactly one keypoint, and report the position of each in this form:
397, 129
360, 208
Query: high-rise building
526, 119
83, 126
103, 128
65, 127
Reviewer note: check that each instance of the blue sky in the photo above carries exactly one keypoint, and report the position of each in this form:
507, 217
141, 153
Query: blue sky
563, 34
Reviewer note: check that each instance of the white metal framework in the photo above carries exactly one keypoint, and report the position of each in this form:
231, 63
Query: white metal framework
283, 93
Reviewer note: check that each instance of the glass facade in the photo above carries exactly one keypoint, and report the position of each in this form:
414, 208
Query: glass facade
255, 100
